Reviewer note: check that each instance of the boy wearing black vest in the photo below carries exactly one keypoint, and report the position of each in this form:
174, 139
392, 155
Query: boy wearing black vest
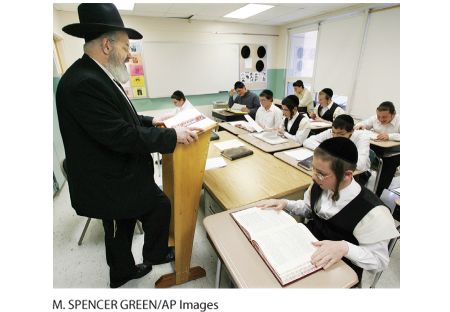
327, 111
296, 126
350, 222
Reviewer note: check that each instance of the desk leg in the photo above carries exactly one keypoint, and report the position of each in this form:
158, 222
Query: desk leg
218, 270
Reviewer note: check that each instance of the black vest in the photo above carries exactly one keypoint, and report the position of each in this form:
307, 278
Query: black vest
295, 125
341, 225
329, 113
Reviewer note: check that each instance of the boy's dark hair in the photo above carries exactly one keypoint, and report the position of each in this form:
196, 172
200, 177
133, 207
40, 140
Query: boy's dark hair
327, 92
291, 101
344, 122
178, 95
267, 94
342, 155
386, 106
298, 83
238, 85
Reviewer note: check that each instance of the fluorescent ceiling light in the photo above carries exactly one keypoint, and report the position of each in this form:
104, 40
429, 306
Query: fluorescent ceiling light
124, 6
249, 10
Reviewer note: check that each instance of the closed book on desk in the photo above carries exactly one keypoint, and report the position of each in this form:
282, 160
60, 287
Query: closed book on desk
306, 163
236, 153
283, 244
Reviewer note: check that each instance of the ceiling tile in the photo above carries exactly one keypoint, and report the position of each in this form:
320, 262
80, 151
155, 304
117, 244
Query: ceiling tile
152, 7
70, 7
220, 9
205, 18
272, 13
186, 8
150, 14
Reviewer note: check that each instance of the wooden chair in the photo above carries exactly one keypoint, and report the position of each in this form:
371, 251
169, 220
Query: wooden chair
80, 241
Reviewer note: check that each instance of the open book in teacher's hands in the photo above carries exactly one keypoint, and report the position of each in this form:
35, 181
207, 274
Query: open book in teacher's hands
284, 245
189, 117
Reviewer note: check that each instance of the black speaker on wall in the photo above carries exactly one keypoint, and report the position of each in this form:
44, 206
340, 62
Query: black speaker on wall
259, 66
245, 52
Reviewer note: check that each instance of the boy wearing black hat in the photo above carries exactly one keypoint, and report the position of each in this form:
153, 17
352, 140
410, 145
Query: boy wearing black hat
350, 222
295, 126
268, 116
108, 145
304, 96
245, 97
327, 111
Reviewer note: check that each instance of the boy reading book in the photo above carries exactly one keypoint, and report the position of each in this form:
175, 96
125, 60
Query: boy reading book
327, 110
296, 126
244, 97
387, 123
268, 115
179, 100
350, 222
343, 127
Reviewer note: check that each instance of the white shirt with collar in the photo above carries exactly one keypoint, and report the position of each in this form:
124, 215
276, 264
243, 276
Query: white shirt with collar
303, 129
185, 106
360, 138
373, 232
270, 118
337, 112
306, 100
392, 128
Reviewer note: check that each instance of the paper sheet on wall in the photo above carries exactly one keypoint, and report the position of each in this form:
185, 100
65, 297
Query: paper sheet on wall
248, 62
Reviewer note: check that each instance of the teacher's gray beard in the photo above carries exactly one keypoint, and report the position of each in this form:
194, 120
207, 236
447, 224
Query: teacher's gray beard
116, 67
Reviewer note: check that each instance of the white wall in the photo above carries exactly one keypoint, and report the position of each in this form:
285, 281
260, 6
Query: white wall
176, 30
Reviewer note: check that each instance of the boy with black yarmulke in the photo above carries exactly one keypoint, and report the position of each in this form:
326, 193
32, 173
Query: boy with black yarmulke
350, 222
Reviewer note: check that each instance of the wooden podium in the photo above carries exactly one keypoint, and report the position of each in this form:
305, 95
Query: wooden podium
183, 173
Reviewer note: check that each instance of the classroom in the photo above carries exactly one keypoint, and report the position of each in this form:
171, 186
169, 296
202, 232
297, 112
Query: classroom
351, 48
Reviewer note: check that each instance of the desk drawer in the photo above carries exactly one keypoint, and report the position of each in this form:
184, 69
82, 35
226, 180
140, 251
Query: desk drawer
211, 207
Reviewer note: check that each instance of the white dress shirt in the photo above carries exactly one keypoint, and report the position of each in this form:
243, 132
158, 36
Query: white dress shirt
185, 106
303, 129
306, 100
360, 138
337, 112
373, 232
270, 118
392, 128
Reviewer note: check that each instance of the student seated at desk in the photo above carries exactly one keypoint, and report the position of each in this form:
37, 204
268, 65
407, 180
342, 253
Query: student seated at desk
350, 222
387, 124
296, 126
268, 115
180, 102
304, 96
245, 97
343, 127
327, 110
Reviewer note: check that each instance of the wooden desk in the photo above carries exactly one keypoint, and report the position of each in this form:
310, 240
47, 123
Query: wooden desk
232, 129
293, 162
252, 178
249, 271
382, 148
227, 116
266, 147
318, 129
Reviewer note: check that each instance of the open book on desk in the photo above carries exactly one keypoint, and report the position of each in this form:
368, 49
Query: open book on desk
270, 137
243, 125
236, 108
283, 244
189, 117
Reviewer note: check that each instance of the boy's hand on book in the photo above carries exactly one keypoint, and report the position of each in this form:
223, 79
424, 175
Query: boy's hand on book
383, 137
278, 204
187, 135
328, 253
359, 127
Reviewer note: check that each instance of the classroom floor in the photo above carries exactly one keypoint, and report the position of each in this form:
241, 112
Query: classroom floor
85, 266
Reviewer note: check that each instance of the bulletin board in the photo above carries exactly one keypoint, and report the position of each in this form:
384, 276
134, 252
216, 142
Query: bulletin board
193, 68
136, 86
253, 66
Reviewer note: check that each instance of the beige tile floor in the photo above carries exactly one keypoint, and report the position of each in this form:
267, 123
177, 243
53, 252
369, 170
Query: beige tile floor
85, 266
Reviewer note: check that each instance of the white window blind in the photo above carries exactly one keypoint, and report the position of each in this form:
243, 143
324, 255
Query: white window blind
379, 74
338, 53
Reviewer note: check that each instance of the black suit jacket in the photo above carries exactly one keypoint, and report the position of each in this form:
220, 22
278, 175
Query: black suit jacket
109, 166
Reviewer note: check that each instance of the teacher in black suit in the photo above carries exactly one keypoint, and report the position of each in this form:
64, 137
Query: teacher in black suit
108, 145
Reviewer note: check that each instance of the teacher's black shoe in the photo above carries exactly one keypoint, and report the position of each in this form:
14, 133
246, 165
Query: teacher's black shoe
169, 257
143, 269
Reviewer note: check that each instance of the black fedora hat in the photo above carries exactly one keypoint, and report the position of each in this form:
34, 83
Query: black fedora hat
96, 19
